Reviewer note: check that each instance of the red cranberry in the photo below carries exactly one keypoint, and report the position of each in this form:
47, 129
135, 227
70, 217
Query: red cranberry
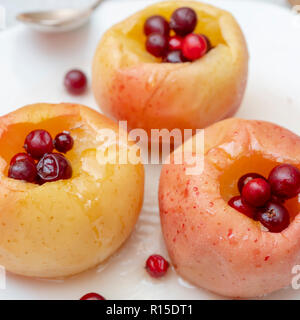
246, 178
194, 46
75, 82
21, 156
156, 24
183, 21
175, 43
285, 181
23, 170
238, 204
38, 142
157, 266
274, 216
92, 296
209, 46
277, 199
157, 45
53, 167
63, 142
174, 57
256, 192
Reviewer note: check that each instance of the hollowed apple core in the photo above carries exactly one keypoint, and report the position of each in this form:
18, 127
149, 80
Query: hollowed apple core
207, 24
255, 163
12, 139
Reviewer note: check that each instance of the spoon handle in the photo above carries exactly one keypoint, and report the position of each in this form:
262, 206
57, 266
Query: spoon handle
96, 4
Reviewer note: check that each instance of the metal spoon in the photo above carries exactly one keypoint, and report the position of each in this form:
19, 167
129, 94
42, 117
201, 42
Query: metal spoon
57, 20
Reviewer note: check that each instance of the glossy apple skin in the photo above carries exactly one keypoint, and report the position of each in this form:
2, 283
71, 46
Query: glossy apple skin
213, 245
64, 227
130, 84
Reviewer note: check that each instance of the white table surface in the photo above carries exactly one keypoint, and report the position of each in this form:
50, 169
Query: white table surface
272, 94
13, 7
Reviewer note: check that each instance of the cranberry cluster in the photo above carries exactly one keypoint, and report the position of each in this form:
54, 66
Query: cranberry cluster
263, 199
50, 166
181, 47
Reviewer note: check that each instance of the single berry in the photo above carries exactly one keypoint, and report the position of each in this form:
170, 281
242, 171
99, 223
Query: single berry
285, 181
256, 192
38, 142
53, 167
174, 57
23, 170
75, 82
63, 142
20, 157
246, 178
238, 204
209, 46
92, 296
157, 266
194, 46
274, 216
183, 21
175, 43
157, 44
156, 24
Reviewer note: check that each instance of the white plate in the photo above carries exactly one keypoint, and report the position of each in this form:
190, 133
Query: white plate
32, 68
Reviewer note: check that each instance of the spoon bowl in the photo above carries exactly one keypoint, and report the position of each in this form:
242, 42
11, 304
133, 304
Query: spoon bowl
60, 20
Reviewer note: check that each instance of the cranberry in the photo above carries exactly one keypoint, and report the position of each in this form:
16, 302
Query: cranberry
53, 167
38, 142
174, 57
183, 21
256, 192
92, 296
157, 44
21, 156
75, 81
194, 46
63, 142
274, 216
175, 43
23, 170
238, 204
277, 199
209, 46
157, 266
156, 24
246, 178
285, 181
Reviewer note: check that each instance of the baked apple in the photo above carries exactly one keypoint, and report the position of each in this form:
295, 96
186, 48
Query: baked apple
129, 83
60, 228
225, 247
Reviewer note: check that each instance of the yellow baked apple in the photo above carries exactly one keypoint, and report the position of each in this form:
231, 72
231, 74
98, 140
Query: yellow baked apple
131, 84
63, 227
